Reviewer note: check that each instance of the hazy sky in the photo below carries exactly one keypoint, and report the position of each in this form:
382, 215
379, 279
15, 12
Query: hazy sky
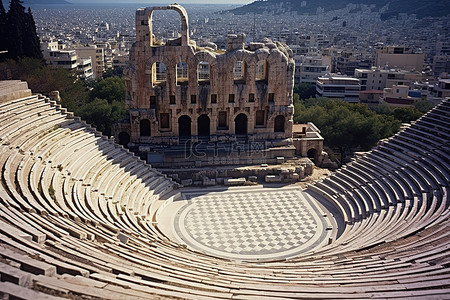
168, 1
165, 2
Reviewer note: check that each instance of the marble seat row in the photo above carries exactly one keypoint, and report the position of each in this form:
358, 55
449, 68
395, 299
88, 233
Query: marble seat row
397, 174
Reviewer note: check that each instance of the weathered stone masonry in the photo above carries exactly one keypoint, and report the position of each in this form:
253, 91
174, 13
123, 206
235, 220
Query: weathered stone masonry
179, 90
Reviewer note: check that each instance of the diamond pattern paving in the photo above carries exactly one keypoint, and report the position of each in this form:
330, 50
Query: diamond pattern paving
250, 224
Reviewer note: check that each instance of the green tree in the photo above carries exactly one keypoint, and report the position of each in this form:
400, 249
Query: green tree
423, 105
110, 89
117, 71
106, 104
305, 90
2, 27
102, 114
19, 32
344, 126
32, 44
15, 18
43, 79
406, 114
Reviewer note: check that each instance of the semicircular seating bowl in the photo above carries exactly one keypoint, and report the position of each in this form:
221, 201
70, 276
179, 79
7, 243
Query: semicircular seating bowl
75, 220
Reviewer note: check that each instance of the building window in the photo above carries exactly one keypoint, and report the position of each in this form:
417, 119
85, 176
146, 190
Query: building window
213, 98
222, 120
203, 71
164, 120
239, 70
193, 99
271, 97
152, 102
261, 70
172, 99
159, 72
260, 118
251, 97
231, 98
182, 72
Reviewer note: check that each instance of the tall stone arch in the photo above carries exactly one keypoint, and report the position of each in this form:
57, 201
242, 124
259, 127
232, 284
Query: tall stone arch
144, 24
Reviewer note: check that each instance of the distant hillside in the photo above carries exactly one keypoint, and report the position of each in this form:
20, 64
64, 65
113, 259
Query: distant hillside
389, 8
34, 2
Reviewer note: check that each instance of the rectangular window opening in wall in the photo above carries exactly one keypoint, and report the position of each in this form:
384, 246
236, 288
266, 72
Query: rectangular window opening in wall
172, 99
152, 102
164, 120
231, 98
260, 118
193, 99
271, 97
251, 97
213, 98
222, 124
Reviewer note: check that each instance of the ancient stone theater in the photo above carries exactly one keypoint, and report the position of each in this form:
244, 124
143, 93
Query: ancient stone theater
178, 92
81, 217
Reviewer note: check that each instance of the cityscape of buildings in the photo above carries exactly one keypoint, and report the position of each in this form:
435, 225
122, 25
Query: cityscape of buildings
355, 51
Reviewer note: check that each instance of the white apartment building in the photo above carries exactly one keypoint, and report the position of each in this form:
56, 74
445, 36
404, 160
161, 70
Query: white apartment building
399, 57
97, 56
55, 55
338, 87
85, 68
398, 96
378, 79
309, 68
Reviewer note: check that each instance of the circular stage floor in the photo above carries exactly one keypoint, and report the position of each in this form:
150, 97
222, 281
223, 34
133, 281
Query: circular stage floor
249, 224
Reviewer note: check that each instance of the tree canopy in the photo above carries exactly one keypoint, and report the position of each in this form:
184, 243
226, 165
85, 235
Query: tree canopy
345, 126
18, 32
305, 90
106, 104
405, 114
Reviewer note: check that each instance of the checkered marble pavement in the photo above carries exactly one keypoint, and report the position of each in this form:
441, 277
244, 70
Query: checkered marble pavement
251, 224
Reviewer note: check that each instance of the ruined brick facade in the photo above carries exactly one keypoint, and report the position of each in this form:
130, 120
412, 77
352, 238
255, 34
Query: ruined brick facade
179, 90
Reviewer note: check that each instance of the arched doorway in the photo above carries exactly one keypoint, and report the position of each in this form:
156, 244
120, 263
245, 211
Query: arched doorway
240, 124
312, 154
144, 127
184, 127
124, 138
203, 124
279, 124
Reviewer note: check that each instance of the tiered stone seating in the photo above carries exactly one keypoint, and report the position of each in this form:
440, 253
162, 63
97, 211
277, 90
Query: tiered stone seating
78, 212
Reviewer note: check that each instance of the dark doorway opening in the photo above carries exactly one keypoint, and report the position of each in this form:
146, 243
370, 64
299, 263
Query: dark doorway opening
312, 154
279, 124
240, 124
203, 126
144, 127
184, 127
